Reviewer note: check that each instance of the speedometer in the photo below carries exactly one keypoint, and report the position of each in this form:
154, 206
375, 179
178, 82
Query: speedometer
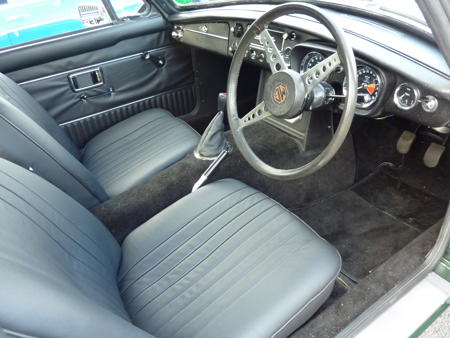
310, 60
369, 83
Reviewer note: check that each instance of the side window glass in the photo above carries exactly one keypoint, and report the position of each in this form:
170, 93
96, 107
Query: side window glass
27, 20
130, 8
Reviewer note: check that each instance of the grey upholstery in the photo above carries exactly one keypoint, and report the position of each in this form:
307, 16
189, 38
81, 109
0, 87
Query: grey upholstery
58, 264
31, 138
137, 148
225, 261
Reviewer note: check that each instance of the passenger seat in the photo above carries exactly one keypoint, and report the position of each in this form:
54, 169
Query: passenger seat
114, 161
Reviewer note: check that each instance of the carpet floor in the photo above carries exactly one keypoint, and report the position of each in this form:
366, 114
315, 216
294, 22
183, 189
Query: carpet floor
373, 220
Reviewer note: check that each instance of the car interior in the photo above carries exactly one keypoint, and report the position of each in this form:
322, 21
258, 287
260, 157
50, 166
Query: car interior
233, 170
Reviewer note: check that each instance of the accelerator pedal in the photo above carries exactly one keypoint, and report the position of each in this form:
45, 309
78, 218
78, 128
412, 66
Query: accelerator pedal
433, 155
405, 142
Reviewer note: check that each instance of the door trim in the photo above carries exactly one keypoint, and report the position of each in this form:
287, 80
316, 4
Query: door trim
95, 65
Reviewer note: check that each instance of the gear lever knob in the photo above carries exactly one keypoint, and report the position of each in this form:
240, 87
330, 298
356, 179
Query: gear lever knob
222, 99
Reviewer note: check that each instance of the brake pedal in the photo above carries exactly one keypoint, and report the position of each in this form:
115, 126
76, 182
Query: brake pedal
433, 155
405, 142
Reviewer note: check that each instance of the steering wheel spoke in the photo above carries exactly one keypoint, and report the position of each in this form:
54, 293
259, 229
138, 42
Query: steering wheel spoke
312, 77
255, 115
273, 55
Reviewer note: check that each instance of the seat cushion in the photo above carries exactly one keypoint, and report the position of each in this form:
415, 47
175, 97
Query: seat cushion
137, 148
225, 261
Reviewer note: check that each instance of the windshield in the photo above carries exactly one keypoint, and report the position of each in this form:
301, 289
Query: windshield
405, 10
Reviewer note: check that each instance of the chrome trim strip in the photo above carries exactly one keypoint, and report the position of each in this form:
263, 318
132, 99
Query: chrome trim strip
117, 107
208, 34
95, 65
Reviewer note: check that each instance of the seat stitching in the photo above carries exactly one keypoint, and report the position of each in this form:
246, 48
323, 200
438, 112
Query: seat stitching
123, 136
184, 241
231, 252
100, 160
242, 277
139, 139
130, 153
230, 285
181, 228
196, 249
56, 210
126, 170
52, 222
57, 243
260, 279
210, 254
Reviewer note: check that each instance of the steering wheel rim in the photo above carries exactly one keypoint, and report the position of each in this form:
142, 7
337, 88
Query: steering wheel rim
344, 52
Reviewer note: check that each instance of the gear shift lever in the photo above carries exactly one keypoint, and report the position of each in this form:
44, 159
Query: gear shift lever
213, 146
213, 141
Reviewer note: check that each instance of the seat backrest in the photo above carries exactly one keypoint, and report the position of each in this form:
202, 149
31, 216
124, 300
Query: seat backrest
20, 98
58, 264
31, 138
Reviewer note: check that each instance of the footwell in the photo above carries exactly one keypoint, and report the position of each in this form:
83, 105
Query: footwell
373, 220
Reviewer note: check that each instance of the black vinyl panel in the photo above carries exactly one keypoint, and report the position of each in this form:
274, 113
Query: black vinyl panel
129, 79
78, 43
179, 102
97, 54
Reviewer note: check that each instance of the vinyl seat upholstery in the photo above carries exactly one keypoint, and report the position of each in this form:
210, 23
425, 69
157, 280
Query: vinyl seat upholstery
225, 261
137, 148
111, 163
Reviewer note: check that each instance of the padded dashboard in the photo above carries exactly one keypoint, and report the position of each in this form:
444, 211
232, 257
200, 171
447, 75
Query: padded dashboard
385, 88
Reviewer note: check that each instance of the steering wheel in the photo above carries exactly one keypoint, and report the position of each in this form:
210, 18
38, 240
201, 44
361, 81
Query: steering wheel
288, 92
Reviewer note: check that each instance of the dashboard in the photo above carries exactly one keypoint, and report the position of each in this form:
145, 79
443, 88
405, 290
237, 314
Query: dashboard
387, 84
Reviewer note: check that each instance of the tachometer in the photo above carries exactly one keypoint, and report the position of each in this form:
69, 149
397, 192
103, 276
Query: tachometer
310, 60
369, 83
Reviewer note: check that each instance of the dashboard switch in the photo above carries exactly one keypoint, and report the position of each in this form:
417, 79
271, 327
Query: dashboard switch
177, 33
237, 30
429, 103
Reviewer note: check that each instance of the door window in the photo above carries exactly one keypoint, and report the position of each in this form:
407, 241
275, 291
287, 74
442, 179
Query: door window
22, 21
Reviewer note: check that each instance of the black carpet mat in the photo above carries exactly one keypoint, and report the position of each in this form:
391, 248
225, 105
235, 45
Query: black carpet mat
373, 220
331, 320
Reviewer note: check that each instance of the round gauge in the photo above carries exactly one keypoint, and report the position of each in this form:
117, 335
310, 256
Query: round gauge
310, 60
406, 96
368, 86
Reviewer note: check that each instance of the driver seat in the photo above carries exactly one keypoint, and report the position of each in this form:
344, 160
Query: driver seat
224, 261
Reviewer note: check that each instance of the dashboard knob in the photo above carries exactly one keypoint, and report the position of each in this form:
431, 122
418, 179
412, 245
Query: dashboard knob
292, 36
177, 34
237, 30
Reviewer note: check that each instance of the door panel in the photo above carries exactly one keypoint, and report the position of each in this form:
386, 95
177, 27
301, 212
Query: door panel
133, 80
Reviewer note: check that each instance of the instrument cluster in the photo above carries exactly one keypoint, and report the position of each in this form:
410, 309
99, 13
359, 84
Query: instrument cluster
370, 79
